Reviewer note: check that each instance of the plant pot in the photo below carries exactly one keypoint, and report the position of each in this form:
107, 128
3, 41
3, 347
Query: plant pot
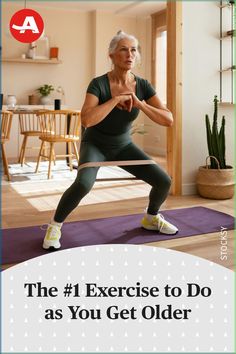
215, 183
45, 100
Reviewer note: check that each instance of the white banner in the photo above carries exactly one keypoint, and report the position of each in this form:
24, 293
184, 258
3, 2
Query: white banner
117, 298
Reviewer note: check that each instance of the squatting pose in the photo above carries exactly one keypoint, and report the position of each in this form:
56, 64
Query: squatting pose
112, 103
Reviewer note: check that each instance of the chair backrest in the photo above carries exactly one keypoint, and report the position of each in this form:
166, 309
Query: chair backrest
63, 123
29, 122
5, 124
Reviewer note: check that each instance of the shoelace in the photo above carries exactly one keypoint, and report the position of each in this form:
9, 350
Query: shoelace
159, 218
53, 231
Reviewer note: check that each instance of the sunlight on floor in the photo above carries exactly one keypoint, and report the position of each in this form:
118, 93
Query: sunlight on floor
45, 196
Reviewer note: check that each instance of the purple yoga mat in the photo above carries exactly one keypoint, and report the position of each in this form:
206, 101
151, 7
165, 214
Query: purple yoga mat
21, 244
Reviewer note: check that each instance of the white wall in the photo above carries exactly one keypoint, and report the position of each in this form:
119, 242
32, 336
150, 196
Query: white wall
83, 39
201, 60
66, 29
155, 139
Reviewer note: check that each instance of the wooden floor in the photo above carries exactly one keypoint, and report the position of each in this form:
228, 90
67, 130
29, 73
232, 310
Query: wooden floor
31, 204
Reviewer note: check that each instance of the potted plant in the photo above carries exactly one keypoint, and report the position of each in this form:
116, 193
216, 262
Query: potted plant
215, 180
45, 91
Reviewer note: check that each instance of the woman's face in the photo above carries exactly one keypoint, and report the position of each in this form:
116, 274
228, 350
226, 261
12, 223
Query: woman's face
125, 54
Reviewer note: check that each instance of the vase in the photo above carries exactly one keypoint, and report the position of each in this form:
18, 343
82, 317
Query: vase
32, 100
45, 100
11, 101
31, 53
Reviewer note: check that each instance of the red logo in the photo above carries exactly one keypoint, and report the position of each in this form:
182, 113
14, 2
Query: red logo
26, 26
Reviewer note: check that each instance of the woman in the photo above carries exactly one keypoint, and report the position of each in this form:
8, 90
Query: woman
112, 103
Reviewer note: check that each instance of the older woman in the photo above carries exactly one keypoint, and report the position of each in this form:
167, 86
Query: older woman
112, 103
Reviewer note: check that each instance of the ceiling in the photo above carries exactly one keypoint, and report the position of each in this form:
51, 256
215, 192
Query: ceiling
123, 8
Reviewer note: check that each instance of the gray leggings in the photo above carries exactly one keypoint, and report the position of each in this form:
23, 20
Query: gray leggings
89, 152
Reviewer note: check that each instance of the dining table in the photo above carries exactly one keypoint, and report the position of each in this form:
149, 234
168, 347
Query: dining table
32, 110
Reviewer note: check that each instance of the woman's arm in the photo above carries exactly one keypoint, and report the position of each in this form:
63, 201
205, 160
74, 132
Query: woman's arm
92, 113
154, 109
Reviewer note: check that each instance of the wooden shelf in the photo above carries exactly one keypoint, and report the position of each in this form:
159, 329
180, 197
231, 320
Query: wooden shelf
227, 36
224, 6
31, 61
227, 104
228, 69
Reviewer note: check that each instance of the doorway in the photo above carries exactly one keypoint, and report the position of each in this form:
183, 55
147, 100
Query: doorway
159, 81
166, 76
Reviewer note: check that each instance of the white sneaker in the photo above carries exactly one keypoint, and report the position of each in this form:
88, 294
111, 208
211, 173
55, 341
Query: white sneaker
52, 237
159, 223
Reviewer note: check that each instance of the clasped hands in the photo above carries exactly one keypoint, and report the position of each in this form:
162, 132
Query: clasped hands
127, 101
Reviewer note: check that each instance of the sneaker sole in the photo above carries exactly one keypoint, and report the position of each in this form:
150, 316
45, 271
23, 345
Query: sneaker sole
153, 228
56, 246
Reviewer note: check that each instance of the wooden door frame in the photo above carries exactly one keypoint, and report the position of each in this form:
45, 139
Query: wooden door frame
171, 17
174, 93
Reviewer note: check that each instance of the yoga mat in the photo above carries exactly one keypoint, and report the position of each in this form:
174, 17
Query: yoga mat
21, 244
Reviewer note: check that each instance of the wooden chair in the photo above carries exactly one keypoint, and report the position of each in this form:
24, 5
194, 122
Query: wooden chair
29, 127
59, 127
6, 121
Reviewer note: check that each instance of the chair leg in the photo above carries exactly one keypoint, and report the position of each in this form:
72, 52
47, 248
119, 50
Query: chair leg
76, 151
19, 159
54, 157
39, 156
5, 163
50, 159
44, 150
23, 150
3, 159
70, 155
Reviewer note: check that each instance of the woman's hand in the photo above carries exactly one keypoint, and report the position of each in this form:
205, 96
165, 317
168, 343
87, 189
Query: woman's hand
135, 101
153, 108
125, 102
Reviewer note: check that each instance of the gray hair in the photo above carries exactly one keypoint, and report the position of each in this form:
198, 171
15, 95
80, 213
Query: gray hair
118, 37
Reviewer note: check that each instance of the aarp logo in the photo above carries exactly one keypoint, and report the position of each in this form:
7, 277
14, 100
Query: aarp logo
26, 26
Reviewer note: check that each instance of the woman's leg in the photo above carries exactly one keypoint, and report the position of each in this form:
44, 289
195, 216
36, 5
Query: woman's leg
152, 174
160, 182
83, 183
70, 199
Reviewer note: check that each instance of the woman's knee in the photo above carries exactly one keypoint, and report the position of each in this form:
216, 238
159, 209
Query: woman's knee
168, 181
162, 181
82, 187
